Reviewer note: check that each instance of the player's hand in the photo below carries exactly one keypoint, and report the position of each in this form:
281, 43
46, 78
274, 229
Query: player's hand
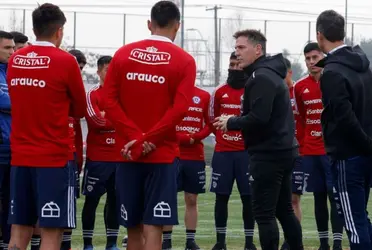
192, 141
103, 113
148, 147
126, 152
220, 123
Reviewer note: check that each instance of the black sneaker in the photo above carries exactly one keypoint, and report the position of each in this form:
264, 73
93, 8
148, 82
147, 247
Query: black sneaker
285, 246
337, 248
192, 246
324, 248
124, 243
219, 247
251, 247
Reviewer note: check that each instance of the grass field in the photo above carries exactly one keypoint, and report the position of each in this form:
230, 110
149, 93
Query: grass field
205, 231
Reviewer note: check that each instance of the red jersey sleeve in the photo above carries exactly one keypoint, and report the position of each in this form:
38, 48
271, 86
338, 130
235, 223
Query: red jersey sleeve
174, 115
207, 125
93, 114
76, 89
214, 108
124, 126
184, 139
298, 100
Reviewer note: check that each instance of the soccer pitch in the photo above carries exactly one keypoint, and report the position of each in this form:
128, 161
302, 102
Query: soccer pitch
205, 235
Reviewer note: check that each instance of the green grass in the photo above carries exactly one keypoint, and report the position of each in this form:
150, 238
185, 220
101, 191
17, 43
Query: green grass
205, 231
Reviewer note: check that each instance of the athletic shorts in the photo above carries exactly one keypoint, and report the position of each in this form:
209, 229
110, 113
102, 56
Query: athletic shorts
147, 193
298, 177
46, 193
318, 174
228, 167
191, 176
98, 177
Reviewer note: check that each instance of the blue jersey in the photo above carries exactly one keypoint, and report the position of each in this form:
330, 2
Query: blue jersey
5, 117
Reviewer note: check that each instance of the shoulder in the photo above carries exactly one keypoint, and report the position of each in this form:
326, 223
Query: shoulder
220, 89
201, 91
261, 76
92, 90
302, 81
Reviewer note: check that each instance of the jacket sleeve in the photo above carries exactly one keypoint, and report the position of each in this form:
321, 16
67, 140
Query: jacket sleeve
202, 134
336, 97
93, 114
78, 144
124, 126
76, 90
261, 94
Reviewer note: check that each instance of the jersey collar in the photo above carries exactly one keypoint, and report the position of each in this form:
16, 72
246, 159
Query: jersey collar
160, 38
43, 43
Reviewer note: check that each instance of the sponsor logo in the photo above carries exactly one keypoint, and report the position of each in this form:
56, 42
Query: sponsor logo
316, 133
230, 106
187, 129
313, 101
196, 109
28, 82
191, 119
110, 141
237, 137
145, 78
309, 121
314, 111
31, 61
150, 55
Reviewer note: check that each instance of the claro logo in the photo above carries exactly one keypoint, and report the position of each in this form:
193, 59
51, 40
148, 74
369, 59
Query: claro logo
145, 78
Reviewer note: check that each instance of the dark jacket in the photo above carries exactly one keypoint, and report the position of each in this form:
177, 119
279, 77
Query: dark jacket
266, 121
5, 117
346, 85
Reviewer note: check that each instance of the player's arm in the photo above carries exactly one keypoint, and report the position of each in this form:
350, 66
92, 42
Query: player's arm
94, 116
76, 89
183, 139
124, 126
335, 97
5, 101
202, 134
262, 96
174, 115
299, 102
214, 108
78, 143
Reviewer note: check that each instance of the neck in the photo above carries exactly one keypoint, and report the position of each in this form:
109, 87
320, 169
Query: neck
51, 40
101, 83
330, 46
316, 76
163, 32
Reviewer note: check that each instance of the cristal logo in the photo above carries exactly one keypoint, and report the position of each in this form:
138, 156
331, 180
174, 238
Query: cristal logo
150, 55
31, 61
145, 77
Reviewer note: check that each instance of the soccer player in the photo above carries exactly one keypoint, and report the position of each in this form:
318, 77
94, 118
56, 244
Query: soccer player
100, 166
20, 40
230, 160
45, 88
148, 88
297, 173
6, 51
191, 131
316, 164
346, 86
267, 127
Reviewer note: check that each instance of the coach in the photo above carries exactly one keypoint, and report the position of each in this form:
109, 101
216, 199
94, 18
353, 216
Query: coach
346, 85
267, 125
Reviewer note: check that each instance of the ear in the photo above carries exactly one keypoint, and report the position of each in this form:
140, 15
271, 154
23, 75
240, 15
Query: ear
258, 49
177, 26
149, 25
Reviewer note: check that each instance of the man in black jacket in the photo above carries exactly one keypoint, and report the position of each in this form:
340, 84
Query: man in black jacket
267, 126
346, 85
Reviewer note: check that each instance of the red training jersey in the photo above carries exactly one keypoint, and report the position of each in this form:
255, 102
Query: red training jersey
71, 135
101, 133
148, 88
309, 103
226, 100
45, 88
299, 132
195, 125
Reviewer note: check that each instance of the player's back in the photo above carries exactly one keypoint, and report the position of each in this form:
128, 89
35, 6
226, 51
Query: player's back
153, 69
38, 79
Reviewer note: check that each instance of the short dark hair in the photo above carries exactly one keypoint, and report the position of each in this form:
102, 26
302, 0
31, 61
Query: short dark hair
287, 63
5, 35
332, 25
103, 60
311, 46
255, 36
47, 19
18, 37
165, 13
80, 57
233, 56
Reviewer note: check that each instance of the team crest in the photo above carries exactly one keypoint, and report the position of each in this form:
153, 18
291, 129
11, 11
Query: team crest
196, 99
